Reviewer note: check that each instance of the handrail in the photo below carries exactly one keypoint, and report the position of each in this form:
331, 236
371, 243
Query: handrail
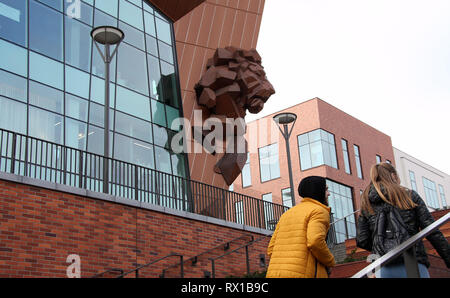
107, 271
402, 248
153, 262
342, 218
213, 268
207, 251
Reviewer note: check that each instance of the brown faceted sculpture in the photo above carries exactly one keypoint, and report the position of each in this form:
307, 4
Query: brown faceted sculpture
234, 82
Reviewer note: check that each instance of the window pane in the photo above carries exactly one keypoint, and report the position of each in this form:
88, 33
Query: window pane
97, 115
246, 175
149, 24
163, 158
165, 52
96, 141
46, 97
158, 113
131, 14
75, 134
169, 84
77, 82
46, 30
133, 151
98, 91
13, 86
13, 58
133, 127
316, 154
132, 70
78, 45
14, 115
305, 157
155, 77
178, 165
76, 107
108, 6
152, 46
46, 70
172, 114
133, 36
86, 11
13, 21
303, 139
163, 31
133, 103
102, 19
46, 125
314, 135
162, 136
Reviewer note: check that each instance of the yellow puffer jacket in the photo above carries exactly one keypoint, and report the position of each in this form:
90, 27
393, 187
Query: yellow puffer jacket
298, 247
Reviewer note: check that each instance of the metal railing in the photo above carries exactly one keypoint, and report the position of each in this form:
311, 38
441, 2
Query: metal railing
136, 270
332, 236
39, 159
247, 259
101, 274
407, 248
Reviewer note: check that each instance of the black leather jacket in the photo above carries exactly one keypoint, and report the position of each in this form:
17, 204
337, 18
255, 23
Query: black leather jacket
415, 219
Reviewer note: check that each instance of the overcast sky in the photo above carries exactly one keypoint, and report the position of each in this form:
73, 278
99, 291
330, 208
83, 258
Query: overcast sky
385, 62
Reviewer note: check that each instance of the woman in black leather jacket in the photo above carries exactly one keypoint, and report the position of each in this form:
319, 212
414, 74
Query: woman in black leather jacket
385, 189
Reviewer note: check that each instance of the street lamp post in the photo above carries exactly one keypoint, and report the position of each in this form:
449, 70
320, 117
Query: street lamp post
285, 119
107, 36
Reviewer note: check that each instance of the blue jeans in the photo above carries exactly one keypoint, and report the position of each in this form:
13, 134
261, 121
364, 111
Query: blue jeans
399, 271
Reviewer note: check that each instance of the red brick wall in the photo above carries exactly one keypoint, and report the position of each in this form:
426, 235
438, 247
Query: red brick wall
39, 228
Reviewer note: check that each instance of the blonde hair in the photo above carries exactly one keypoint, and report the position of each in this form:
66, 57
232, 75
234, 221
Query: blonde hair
386, 182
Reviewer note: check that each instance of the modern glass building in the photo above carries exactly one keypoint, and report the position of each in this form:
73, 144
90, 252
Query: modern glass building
52, 78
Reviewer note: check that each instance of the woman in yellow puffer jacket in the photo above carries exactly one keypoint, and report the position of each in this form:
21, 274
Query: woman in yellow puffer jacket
298, 246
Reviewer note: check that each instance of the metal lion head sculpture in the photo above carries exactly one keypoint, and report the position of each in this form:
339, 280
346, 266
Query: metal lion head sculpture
234, 82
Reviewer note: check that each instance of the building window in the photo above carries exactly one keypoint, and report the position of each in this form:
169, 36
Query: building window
269, 165
358, 161
442, 194
346, 156
378, 158
246, 174
239, 209
286, 196
341, 203
317, 148
430, 193
53, 77
412, 179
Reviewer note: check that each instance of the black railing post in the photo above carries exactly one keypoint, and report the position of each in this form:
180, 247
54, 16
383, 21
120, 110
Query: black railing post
13, 153
409, 257
136, 179
80, 169
346, 228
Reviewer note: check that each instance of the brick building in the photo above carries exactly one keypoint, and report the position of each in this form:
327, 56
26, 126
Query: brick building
325, 141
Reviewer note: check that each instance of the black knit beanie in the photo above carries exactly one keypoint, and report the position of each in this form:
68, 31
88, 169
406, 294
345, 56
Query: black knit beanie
313, 187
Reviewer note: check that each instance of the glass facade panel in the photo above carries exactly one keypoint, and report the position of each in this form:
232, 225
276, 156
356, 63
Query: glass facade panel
46, 30
76, 107
412, 180
358, 161
131, 70
13, 58
346, 156
76, 134
246, 173
13, 86
14, 115
133, 127
133, 151
442, 194
77, 46
286, 196
44, 48
13, 21
46, 97
430, 193
163, 31
131, 14
133, 103
47, 71
77, 82
46, 125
